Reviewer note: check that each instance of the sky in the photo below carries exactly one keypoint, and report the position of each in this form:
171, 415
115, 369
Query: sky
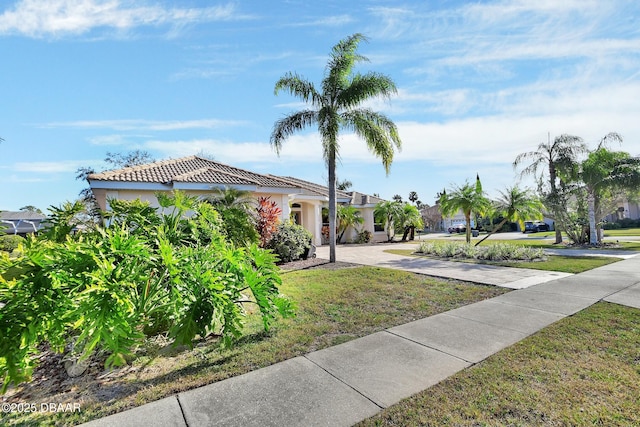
478, 83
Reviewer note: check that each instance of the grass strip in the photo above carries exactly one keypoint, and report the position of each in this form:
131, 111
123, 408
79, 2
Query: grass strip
334, 306
582, 370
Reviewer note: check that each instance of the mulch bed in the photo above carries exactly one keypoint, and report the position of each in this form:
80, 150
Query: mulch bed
315, 263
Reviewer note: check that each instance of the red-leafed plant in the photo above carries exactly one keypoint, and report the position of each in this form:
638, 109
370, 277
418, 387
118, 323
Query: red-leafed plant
268, 219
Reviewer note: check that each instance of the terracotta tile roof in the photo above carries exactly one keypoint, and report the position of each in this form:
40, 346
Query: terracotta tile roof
189, 169
311, 188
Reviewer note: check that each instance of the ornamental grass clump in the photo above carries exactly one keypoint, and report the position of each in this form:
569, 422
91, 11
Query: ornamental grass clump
495, 252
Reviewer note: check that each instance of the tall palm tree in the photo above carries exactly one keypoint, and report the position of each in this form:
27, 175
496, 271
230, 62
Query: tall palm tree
556, 157
336, 106
468, 198
515, 205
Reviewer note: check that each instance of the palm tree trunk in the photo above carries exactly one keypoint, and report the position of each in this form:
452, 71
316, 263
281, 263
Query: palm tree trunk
468, 228
332, 205
496, 228
593, 233
558, 233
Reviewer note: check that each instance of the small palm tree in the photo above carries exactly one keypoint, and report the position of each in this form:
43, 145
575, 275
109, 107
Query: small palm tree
408, 220
348, 216
386, 212
237, 209
336, 106
515, 205
468, 198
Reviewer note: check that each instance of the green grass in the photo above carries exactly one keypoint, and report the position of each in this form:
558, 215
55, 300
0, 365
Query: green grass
622, 232
565, 264
582, 370
536, 240
334, 306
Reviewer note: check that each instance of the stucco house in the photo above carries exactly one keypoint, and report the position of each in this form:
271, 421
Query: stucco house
301, 201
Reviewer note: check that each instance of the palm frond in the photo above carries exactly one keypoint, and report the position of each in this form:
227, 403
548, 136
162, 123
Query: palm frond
379, 132
290, 124
298, 87
364, 87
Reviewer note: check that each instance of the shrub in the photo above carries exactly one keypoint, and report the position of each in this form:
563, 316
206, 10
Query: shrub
289, 242
10, 242
494, 252
268, 217
364, 236
147, 272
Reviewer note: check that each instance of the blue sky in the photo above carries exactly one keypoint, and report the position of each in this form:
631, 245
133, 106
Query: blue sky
478, 83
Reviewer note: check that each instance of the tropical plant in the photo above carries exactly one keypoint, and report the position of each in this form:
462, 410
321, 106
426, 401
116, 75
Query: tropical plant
385, 213
558, 158
237, 209
344, 185
147, 272
10, 242
515, 205
469, 199
606, 173
348, 216
336, 106
268, 217
290, 241
413, 196
408, 219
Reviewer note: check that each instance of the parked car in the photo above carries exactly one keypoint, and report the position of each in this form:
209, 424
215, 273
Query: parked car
535, 226
542, 226
458, 228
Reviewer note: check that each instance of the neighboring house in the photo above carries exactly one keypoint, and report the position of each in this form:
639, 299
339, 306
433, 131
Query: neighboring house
300, 200
21, 222
626, 210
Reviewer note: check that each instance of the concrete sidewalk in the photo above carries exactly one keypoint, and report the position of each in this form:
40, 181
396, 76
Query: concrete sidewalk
341, 385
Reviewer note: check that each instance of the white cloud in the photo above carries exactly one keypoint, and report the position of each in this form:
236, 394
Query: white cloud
147, 125
298, 148
37, 18
51, 167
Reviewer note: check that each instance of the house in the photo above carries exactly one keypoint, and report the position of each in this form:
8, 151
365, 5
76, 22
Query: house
21, 222
301, 201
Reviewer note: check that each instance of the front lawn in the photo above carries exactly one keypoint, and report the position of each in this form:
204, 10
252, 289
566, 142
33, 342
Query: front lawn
582, 370
334, 306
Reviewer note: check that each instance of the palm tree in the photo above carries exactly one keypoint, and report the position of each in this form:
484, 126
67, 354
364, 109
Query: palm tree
348, 216
515, 205
386, 212
413, 196
338, 106
606, 171
407, 220
237, 209
468, 198
557, 157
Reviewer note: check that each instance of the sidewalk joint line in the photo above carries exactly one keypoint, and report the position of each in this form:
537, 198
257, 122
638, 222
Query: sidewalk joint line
345, 383
431, 348
184, 417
